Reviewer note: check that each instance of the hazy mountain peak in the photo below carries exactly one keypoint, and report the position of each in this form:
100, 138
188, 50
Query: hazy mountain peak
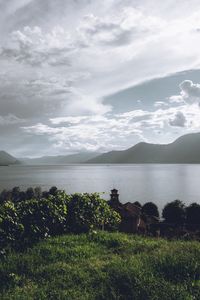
7, 159
185, 149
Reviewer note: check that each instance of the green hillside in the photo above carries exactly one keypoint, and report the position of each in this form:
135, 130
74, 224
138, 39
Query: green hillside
103, 265
185, 149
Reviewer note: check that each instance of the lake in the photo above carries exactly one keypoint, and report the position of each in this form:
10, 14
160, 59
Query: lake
146, 182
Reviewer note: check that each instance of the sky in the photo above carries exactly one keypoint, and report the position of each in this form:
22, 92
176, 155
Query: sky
97, 75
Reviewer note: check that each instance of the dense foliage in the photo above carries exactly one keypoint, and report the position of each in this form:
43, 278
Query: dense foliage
102, 266
96, 265
150, 209
89, 211
44, 217
11, 228
193, 215
26, 217
175, 212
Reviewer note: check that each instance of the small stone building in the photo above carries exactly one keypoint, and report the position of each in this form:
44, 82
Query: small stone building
129, 212
133, 221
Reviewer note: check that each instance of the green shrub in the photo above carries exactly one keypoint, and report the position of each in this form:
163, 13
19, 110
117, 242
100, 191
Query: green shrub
43, 217
89, 211
33, 219
11, 229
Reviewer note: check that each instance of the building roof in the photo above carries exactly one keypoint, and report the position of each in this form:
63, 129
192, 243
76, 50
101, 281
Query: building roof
129, 210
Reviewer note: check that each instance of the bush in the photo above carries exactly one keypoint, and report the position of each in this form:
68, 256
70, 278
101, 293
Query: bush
89, 211
11, 229
44, 217
29, 220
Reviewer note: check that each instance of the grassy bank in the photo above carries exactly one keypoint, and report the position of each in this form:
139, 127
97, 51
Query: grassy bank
103, 266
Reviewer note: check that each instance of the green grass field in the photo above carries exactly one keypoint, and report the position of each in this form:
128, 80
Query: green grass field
103, 266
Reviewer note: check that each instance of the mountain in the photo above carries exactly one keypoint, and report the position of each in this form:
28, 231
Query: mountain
7, 159
185, 149
62, 159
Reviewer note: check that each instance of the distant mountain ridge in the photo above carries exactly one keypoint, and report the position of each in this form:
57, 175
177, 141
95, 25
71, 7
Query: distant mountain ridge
7, 159
185, 149
61, 159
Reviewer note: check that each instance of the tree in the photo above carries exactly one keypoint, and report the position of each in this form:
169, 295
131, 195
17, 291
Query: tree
193, 214
38, 192
16, 194
150, 209
174, 212
22, 196
89, 211
30, 193
53, 190
5, 196
45, 194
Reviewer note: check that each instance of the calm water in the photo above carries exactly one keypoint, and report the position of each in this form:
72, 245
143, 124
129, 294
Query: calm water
158, 183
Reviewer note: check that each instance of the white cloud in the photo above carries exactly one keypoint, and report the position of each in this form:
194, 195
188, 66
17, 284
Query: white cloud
87, 133
189, 93
158, 104
59, 59
35, 47
119, 131
118, 31
179, 120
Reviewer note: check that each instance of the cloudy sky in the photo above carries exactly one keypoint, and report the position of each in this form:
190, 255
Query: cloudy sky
97, 75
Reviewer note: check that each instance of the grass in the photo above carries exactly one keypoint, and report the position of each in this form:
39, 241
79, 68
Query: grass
103, 266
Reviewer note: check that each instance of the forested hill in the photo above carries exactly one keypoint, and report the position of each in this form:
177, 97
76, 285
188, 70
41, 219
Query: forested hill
7, 159
185, 149
77, 158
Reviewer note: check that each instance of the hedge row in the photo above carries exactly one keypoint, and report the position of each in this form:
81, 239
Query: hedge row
23, 223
